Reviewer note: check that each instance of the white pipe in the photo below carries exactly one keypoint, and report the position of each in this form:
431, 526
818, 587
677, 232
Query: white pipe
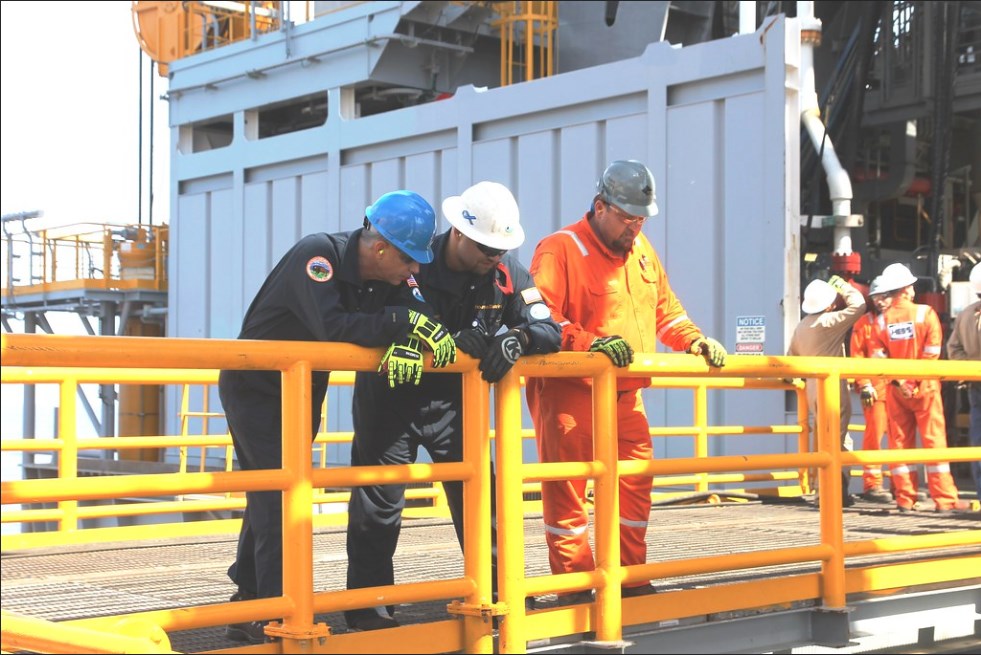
839, 184
747, 17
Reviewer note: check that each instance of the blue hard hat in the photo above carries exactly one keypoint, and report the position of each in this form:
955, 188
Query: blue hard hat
406, 221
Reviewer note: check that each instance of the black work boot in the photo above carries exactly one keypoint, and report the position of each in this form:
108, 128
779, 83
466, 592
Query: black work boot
252, 632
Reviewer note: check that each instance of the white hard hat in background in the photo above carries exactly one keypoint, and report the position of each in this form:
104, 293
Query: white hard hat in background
876, 287
818, 296
488, 214
976, 279
896, 276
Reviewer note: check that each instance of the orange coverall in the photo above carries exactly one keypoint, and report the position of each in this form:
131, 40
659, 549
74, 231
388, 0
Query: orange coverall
910, 331
875, 416
593, 293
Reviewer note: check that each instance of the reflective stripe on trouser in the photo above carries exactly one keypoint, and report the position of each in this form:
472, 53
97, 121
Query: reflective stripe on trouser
563, 424
875, 427
926, 413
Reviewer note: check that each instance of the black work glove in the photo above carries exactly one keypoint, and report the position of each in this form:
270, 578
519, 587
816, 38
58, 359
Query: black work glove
431, 332
615, 347
472, 341
503, 351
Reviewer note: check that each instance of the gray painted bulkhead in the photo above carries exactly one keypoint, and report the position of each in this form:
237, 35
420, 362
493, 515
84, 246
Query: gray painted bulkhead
717, 123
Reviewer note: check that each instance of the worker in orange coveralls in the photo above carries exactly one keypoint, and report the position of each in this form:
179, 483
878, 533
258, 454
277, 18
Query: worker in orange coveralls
872, 392
907, 330
607, 288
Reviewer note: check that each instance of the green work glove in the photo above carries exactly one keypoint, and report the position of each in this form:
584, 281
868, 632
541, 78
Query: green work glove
837, 283
432, 333
614, 347
403, 363
713, 351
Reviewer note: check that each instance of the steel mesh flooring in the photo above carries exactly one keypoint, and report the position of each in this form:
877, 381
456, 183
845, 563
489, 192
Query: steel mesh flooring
98, 580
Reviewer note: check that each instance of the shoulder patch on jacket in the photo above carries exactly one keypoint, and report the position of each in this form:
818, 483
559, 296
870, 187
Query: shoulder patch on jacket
319, 269
531, 295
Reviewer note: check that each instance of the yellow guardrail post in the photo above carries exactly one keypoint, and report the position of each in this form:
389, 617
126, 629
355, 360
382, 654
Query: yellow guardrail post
607, 512
68, 454
828, 425
478, 607
510, 514
701, 436
297, 628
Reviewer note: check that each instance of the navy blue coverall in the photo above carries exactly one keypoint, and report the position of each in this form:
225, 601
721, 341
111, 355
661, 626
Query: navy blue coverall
430, 414
315, 293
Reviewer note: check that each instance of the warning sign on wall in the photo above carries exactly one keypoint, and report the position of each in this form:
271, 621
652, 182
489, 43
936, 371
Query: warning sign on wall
750, 335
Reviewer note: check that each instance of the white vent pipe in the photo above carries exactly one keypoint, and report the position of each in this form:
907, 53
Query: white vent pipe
839, 184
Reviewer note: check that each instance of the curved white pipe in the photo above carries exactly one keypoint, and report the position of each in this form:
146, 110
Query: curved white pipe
839, 184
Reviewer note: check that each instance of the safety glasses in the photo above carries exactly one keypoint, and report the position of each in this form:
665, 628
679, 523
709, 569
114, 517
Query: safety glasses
624, 216
490, 252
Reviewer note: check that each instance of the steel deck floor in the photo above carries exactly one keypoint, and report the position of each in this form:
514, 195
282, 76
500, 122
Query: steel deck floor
96, 580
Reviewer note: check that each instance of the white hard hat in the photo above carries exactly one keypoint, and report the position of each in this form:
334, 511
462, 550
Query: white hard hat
976, 279
818, 296
877, 286
896, 276
488, 214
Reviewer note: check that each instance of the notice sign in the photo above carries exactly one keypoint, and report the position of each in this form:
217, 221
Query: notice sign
750, 335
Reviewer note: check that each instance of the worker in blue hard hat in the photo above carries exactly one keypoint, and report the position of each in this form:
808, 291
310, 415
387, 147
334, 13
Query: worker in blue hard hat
354, 287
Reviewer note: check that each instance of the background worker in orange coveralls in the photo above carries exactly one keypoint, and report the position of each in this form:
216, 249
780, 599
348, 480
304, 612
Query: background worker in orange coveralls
607, 288
872, 392
907, 330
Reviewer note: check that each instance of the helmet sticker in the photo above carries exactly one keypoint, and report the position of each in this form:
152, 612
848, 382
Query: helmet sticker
470, 218
539, 311
319, 269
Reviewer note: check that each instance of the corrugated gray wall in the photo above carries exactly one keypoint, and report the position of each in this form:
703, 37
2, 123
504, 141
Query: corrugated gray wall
717, 123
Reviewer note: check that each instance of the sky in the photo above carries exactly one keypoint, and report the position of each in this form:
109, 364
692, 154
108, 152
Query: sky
70, 122
70, 139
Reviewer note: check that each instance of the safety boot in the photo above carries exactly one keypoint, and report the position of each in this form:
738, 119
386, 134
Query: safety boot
252, 632
876, 495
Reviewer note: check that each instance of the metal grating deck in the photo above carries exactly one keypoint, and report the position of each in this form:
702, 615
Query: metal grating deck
96, 580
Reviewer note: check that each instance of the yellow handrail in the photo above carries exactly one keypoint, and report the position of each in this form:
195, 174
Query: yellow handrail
298, 478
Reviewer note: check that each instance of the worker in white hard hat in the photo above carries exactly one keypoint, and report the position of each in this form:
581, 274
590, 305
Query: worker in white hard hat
872, 392
822, 333
907, 330
965, 343
487, 298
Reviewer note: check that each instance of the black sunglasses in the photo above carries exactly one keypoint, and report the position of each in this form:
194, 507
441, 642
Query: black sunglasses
490, 252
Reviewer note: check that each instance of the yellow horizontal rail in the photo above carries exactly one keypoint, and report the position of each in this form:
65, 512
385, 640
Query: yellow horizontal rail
168, 361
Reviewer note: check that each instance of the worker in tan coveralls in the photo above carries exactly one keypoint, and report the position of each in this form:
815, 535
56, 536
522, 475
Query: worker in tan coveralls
822, 333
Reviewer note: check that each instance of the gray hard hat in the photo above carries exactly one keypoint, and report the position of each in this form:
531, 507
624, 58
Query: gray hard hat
629, 185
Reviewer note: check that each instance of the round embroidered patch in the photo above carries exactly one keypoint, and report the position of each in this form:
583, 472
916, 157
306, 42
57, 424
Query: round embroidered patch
319, 269
539, 311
